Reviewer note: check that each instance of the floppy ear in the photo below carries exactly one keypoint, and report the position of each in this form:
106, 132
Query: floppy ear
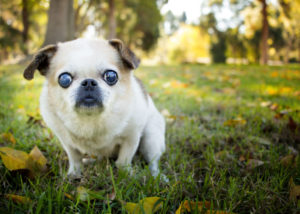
40, 61
128, 57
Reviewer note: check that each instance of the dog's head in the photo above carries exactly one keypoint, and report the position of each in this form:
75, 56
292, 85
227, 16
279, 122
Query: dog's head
85, 75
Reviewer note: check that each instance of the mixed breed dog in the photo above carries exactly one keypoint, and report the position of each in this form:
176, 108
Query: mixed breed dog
95, 105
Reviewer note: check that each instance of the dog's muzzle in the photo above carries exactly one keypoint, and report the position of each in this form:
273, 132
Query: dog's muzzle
89, 94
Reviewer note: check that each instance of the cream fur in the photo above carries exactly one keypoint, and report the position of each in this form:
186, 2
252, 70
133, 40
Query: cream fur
126, 121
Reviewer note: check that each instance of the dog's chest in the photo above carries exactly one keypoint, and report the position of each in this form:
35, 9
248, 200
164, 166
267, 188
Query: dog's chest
104, 144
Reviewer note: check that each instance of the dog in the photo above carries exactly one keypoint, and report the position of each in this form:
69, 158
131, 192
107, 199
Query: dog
95, 105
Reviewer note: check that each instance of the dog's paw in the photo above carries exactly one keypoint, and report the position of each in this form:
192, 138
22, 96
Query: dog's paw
156, 173
74, 174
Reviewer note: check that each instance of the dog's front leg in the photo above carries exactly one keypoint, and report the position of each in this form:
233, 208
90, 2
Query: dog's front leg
75, 158
127, 151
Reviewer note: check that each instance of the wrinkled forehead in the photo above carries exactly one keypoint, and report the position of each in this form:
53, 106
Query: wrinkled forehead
84, 54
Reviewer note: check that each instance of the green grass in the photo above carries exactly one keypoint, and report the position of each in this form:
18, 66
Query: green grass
203, 159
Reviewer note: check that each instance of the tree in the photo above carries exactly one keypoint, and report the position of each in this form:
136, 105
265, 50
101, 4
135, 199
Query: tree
289, 18
25, 22
218, 38
264, 47
60, 26
111, 20
138, 23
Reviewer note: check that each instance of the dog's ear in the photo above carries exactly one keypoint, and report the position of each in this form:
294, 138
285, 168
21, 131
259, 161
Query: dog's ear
40, 61
128, 57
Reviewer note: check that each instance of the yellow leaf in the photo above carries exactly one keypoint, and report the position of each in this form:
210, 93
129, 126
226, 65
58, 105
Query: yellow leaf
37, 160
289, 160
13, 159
178, 84
18, 199
8, 137
294, 191
147, 205
235, 122
82, 193
16, 160
191, 206
69, 196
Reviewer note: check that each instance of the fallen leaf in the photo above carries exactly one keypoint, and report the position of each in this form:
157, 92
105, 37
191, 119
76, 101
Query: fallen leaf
235, 122
274, 74
274, 106
178, 84
35, 118
222, 155
85, 194
289, 160
14, 159
8, 137
112, 195
242, 158
253, 163
278, 116
147, 205
294, 191
37, 160
193, 207
18, 199
265, 104
69, 196
260, 140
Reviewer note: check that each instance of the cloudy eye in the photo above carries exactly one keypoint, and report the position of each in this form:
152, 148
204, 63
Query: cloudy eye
110, 77
65, 80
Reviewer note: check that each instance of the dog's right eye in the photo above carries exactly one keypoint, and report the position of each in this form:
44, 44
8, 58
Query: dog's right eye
65, 80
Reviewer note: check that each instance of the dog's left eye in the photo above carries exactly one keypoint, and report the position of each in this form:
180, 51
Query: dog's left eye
65, 80
110, 77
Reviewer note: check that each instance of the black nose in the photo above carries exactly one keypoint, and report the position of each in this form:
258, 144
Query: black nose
89, 84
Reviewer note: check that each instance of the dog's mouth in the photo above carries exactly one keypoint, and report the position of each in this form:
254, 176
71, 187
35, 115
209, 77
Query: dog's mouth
89, 101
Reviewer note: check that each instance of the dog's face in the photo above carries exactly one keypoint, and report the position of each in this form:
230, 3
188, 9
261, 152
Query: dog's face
85, 76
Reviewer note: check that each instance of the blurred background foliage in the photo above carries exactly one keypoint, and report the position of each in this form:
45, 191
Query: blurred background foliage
260, 31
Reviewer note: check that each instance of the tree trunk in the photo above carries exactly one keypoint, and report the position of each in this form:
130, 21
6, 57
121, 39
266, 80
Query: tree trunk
60, 26
265, 34
111, 20
298, 50
25, 22
287, 50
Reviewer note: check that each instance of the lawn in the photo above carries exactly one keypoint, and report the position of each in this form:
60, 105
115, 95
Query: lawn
233, 136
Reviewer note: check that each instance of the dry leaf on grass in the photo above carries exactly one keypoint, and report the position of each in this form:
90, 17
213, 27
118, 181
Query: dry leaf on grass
253, 163
289, 160
147, 205
69, 196
235, 122
37, 160
85, 194
191, 206
18, 199
8, 137
294, 191
13, 159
